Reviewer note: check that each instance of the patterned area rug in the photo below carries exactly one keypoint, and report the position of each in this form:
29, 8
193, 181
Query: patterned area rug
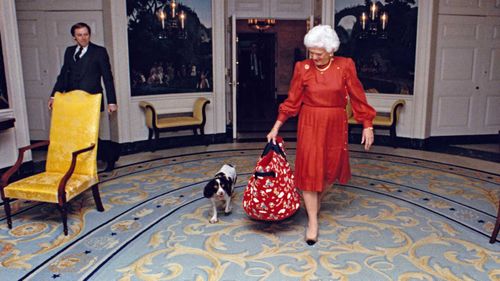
398, 219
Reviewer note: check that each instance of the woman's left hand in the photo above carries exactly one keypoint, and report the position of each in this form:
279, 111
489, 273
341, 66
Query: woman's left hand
367, 138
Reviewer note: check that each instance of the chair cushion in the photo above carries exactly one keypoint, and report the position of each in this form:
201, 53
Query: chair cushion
43, 187
170, 122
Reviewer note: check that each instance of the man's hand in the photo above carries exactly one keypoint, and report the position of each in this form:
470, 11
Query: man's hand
112, 108
49, 104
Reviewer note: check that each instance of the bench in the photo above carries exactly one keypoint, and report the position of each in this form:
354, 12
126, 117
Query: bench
157, 123
383, 120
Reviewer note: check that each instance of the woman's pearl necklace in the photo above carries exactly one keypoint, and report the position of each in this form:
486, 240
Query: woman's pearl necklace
322, 70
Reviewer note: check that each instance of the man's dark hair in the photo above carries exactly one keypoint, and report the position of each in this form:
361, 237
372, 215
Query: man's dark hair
79, 25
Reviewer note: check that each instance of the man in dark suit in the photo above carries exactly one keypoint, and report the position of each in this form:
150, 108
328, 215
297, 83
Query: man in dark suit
84, 65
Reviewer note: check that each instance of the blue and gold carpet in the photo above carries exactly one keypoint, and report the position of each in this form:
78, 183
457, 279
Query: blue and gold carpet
399, 218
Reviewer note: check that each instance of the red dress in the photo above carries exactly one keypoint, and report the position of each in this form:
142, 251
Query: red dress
321, 99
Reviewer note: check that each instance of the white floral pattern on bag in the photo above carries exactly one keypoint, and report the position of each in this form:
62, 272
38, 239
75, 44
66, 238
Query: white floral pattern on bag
269, 197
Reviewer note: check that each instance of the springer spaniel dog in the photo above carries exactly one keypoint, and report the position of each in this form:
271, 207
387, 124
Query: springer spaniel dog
221, 189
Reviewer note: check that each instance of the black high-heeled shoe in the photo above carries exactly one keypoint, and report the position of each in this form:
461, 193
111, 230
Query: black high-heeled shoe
311, 242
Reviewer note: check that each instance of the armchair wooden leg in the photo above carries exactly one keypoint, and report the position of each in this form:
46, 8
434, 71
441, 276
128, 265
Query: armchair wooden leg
97, 198
195, 131
497, 226
64, 215
6, 206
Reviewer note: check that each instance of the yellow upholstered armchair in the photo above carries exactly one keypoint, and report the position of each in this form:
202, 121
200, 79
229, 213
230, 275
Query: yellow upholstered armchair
382, 120
71, 166
157, 123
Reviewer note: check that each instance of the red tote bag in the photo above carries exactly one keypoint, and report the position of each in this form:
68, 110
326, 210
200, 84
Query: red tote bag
271, 194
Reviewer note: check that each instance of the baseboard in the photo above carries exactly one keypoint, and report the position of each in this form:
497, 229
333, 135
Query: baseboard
471, 139
174, 142
441, 144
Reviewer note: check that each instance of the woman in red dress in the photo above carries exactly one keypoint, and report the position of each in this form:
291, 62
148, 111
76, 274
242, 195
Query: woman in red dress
320, 89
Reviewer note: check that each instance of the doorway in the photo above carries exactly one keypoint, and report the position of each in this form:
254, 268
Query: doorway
256, 100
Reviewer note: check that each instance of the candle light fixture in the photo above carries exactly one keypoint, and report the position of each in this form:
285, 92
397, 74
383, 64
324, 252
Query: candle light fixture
374, 24
172, 21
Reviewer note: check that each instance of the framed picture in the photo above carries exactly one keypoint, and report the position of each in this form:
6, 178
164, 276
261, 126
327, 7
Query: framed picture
380, 36
4, 99
170, 46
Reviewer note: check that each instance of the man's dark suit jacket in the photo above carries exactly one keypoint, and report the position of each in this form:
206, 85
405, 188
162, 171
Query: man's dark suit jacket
86, 73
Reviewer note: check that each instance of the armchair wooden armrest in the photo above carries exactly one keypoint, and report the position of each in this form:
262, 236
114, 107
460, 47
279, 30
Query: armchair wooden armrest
6, 176
67, 175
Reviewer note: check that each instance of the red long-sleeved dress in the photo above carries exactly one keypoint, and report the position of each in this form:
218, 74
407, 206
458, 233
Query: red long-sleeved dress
321, 98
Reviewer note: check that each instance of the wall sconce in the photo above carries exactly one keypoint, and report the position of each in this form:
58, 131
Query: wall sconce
261, 24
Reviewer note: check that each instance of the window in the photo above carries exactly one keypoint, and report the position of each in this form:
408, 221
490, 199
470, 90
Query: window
170, 46
380, 36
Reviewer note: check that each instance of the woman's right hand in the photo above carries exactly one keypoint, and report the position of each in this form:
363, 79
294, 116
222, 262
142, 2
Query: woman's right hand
274, 132
272, 135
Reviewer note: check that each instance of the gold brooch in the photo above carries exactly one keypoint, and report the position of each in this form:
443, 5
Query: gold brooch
306, 66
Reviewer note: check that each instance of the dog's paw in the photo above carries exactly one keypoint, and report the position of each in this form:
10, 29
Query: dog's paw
227, 213
228, 210
213, 220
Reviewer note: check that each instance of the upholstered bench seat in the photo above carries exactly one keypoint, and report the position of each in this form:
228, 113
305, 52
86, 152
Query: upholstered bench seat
157, 122
382, 119
171, 122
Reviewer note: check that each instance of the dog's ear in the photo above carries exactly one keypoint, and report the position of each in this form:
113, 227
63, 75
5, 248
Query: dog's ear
226, 185
209, 189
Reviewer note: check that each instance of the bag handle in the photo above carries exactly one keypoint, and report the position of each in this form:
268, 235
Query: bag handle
275, 147
265, 174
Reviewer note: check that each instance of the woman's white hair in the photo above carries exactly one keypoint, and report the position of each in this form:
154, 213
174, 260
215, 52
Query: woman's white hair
322, 36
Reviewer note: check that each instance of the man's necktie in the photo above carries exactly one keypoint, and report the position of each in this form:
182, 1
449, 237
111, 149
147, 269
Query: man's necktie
77, 55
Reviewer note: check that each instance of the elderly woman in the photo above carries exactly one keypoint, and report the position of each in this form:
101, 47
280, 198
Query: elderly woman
319, 90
